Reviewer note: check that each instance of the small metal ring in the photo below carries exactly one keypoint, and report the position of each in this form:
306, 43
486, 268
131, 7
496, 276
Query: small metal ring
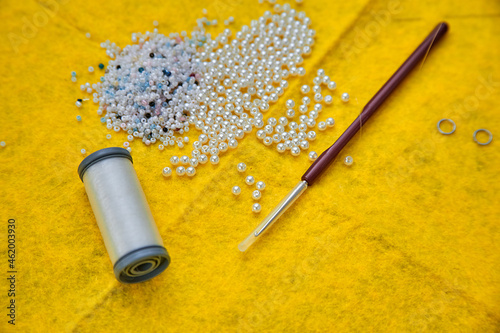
482, 143
446, 133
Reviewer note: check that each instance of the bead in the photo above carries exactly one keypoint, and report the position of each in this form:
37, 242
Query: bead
330, 122
272, 121
332, 85
214, 159
305, 89
290, 103
193, 162
318, 107
345, 97
126, 144
318, 97
321, 126
2, 144
303, 108
328, 99
304, 145
310, 122
313, 156
108, 136
180, 171
184, 159
232, 143
78, 104
203, 159
290, 113
348, 161
320, 72
190, 171
306, 100
316, 89
256, 208
236, 190
174, 160
260, 185
311, 135
283, 121
295, 151
268, 141
83, 151
87, 35
91, 69
261, 134
79, 118
256, 195
241, 167
280, 147
167, 172
249, 180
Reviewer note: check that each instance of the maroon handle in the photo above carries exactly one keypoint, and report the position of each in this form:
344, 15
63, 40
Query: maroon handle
329, 155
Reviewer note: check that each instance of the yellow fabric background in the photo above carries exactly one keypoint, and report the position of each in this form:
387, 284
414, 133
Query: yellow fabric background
407, 239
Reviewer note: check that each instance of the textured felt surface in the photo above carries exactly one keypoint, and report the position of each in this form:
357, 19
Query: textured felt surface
407, 239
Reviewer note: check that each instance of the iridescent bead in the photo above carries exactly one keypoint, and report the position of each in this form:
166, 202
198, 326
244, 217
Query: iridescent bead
311, 135
180, 171
260, 185
348, 161
332, 85
345, 97
306, 100
290, 103
190, 171
316, 89
79, 118
193, 162
241, 167
321, 126
261, 134
166, 172
272, 121
202, 159
280, 147
305, 89
256, 195
304, 145
283, 121
236, 190
268, 141
310, 122
318, 107
328, 99
330, 122
232, 143
184, 159
313, 156
256, 208
295, 151
290, 113
303, 108
249, 180
214, 159
174, 160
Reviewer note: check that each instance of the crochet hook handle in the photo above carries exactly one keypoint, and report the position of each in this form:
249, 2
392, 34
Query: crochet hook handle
325, 159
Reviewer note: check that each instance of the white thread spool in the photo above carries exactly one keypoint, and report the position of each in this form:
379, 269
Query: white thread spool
130, 234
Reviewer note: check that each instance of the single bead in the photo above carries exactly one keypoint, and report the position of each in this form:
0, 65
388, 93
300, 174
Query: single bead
87, 35
180, 171
332, 85
190, 171
345, 97
305, 89
290, 103
310, 122
241, 167
313, 156
2, 144
203, 158
174, 160
295, 151
166, 172
268, 141
306, 100
260, 185
316, 89
232, 143
256, 208
304, 145
184, 159
320, 72
328, 99
321, 126
79, 118
318, 107
91, 69
236, 190
101, 66
261, 134
126, 144
280, 147
78, 104
303, 108
83, 151
161, 147
348, 161
330, 122
108, 136
214, 159
311, 135
290, 113
249, 180
318, 97
193, 162
283, 121
256, 195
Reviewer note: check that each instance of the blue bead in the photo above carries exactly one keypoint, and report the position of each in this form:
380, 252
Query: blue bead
79, 118
101, 66
141, 69
103, 120
73, 73
167, 73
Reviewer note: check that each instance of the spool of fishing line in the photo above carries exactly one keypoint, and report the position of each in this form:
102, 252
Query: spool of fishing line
127, 226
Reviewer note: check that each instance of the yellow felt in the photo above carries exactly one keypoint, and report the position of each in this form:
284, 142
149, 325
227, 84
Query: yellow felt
407, 239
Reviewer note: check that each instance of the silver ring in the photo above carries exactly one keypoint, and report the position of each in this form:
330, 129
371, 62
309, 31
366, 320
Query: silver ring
482, 143
446, 133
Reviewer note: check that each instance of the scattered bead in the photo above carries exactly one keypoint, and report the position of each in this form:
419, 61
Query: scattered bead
87, 35
313, 156
190, 171
83, 151
101, 66
180, 171
256, 208
260, 185
126, 144
332, 85
91, 69
311, 135
2, 144
348, 161
167, 172
108, 136
249, 180
214, 159
295, 151
280, 147
321, 126
236, 190
155, 23
78, 104
330, 122
256, 195
328, 99
174, 160
79, 118
241, 167
290, 103
345, 97
305, 89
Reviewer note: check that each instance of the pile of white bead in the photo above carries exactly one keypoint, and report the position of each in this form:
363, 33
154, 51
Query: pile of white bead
158, 87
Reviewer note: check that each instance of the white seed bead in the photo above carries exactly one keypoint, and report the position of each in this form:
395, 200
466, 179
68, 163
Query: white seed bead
332, 85
320, 72
305, 89
190, 171
313, 114
311, 135
203, 159
236, 190
330, 122
91, 69
174, 160
193, 162
310, 122
180, 171
214, 159
268, 141
313, 156
241, 167
256, 208
256, 195
306, 100
303, 108
316, 89
83, 151
345, 97
290, 113
2, 144
232, 143
167, 172
304, 145
184, 159
261, 134
283, 121
249, 180
348, 161
295, 151
328, 99
318, 97
290, 103
272, 121
260, 185
321, 126
280, 147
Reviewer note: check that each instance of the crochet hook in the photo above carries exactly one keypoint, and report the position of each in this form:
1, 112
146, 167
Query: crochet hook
327, 157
